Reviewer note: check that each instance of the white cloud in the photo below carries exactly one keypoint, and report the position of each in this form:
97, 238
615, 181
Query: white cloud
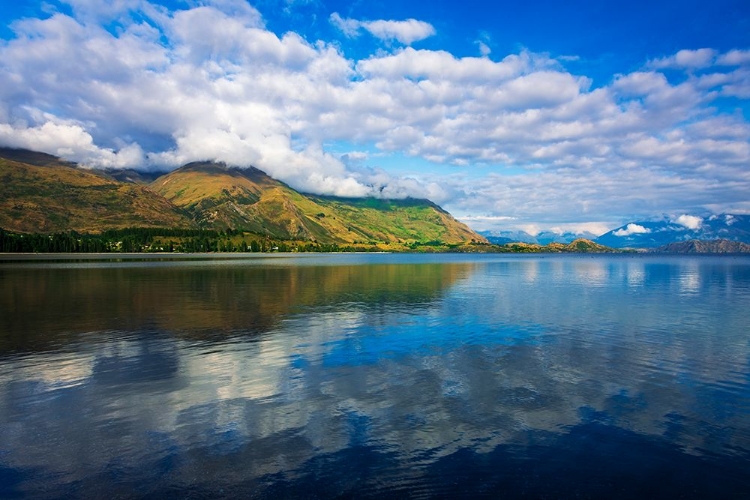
689, 221
595, 228
632, 229
687, 59
735, 58
349, 27
527, 139
484, 49
405, 32
72, 142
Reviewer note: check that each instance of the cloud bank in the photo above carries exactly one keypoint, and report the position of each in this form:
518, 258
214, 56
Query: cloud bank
518, 138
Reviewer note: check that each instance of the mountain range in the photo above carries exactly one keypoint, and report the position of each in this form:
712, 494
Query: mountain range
654, 234
541, 238
704, 246
40, 193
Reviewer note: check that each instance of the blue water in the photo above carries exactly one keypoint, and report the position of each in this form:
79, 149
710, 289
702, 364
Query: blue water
417, 376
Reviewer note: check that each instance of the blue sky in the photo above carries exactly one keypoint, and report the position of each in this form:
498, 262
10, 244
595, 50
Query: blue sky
512, 115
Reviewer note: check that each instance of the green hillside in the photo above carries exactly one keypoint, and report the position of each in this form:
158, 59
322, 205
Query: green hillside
49, 196
220, 197
41, 194
408, 220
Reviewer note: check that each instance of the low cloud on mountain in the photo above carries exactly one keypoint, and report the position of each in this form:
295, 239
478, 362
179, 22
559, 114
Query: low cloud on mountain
519, 137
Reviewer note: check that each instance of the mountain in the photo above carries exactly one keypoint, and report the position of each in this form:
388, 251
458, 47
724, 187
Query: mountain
39, 193
35, 158
585, 246
542, 238
503, 237
580, 245
653, 234
130, 175
699, 246
217, 196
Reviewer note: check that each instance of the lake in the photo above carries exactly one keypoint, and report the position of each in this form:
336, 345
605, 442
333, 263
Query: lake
369, 376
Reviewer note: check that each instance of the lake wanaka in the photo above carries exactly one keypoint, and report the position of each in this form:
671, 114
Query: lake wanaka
370, 376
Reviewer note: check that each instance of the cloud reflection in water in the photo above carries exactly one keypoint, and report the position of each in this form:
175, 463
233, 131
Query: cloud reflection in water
264, 378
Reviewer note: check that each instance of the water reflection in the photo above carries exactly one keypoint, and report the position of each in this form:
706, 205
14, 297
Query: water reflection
49, 307
381, 378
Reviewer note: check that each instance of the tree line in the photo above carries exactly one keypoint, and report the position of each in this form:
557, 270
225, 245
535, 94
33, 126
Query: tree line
142, 240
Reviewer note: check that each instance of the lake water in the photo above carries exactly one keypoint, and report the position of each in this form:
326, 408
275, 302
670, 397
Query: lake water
419, 376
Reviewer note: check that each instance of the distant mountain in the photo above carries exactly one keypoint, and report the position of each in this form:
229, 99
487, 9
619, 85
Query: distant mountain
698, 246
499, 240
580, 245
547, 237
39, 193
35, 158
653, 234
503, 237
130, 175
584, 245
215, 195
542, 238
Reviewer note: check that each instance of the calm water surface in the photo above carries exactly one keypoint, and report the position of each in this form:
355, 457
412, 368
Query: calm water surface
376, 376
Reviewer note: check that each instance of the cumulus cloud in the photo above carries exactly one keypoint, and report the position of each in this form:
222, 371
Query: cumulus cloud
689, 221
687, 59
72, 142
527, 139
632, 229
735, 58
405, 32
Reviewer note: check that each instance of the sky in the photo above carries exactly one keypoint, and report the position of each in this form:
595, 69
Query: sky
537, 115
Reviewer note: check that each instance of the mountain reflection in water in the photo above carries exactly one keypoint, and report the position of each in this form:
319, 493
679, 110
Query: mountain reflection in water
436, 376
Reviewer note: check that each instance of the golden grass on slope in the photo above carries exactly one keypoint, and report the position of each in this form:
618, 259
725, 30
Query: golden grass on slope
221, 197
40, 193
60, 197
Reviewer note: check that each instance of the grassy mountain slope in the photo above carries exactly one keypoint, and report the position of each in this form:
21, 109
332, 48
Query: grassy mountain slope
221, 197
40, 194
391, 221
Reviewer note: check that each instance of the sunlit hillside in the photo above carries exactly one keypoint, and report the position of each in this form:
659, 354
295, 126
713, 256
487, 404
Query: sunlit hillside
41, 194
217, 196
49, 196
